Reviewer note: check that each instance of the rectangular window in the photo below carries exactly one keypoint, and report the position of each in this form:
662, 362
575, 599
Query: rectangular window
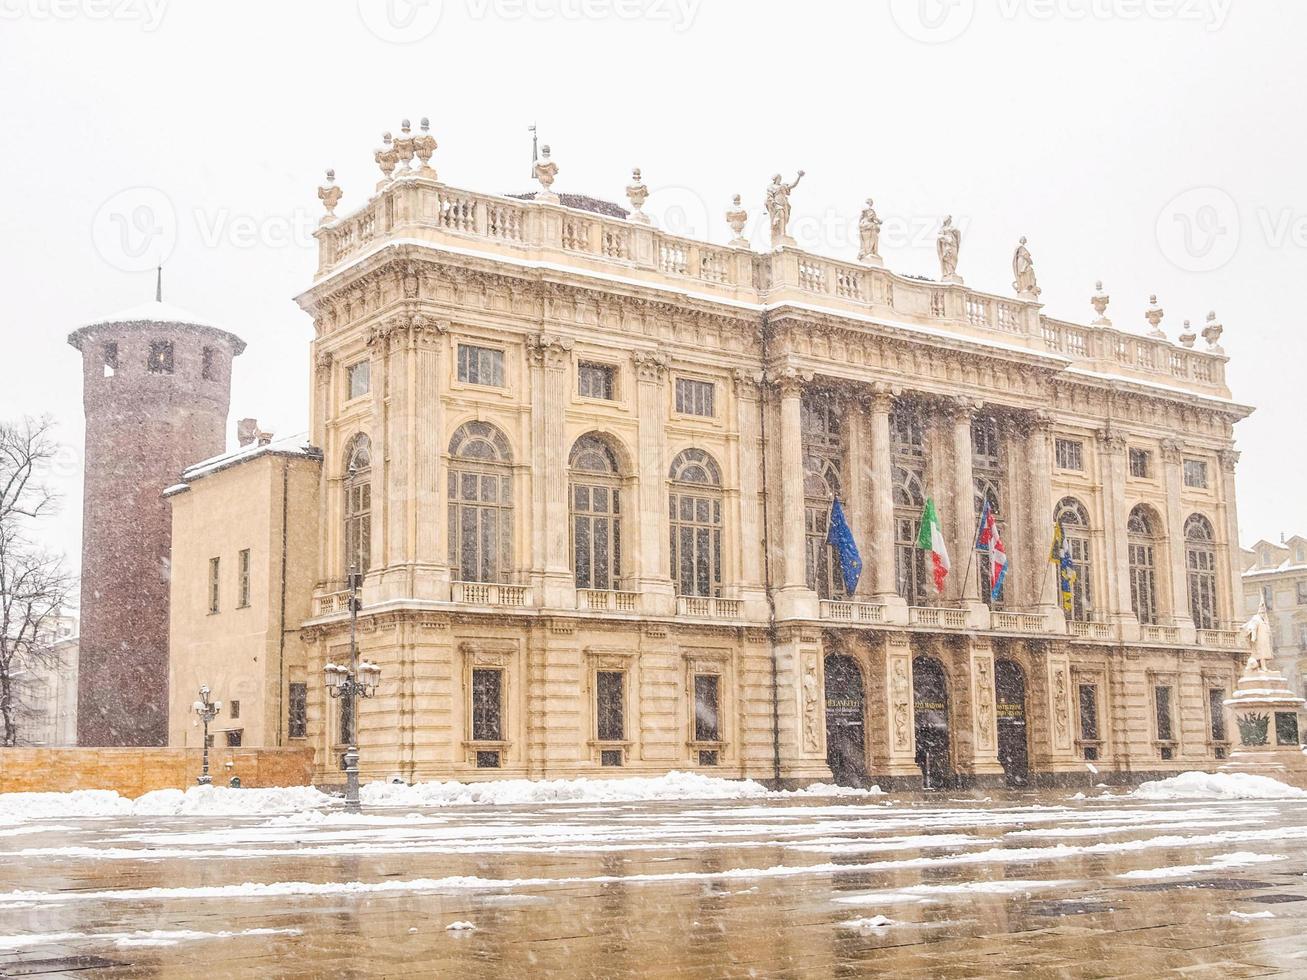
235, 707
696, 397
1162, 704
1070, 454
487, 759
610, 757
596, 381
1216, 708
209, 364
707, 757
160, 361
480, 365
487, 705
1141, 464
243, 569
610, 705
359, 377
297, 725
215, 594
1195, 473
110, 354
1268, 596
1089, 712
707, 690
234, 738
1302, 593
346, 721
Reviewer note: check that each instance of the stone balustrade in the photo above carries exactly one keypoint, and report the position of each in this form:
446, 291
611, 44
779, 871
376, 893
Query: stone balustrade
852, 612
418, 209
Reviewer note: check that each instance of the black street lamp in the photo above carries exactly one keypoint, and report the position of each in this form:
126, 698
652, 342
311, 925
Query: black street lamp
358, 680
207, 710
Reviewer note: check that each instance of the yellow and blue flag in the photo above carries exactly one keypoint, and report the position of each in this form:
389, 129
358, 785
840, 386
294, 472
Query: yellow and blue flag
1060, 554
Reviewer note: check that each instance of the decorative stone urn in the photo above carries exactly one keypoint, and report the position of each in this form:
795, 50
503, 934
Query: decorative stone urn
1265, 712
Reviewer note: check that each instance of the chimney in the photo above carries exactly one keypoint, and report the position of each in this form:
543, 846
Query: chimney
247, 431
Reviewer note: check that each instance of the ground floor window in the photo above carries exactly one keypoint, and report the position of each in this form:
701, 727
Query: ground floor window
610, 705
1089, 720
235, 737
707, 715
487, 712
346, 721
1162, 710
297, 724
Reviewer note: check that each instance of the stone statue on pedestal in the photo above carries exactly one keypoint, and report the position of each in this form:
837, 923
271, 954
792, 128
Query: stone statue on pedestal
1023, 272
778, 209
1258, 633
948, 244
545, 171
869, 235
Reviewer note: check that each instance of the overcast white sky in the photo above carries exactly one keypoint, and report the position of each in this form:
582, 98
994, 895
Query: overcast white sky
1077, 123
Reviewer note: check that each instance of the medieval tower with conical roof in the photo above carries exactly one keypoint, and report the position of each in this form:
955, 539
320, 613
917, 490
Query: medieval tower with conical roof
156, 390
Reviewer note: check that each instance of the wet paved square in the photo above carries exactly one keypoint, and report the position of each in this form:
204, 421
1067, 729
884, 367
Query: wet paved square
1017, 885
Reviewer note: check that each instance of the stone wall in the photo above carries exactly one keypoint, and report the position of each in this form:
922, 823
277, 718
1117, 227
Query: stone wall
133, 771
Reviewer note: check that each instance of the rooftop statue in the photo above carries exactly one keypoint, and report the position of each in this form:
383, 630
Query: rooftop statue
948, 244
1023, 271
778, 209
869, 235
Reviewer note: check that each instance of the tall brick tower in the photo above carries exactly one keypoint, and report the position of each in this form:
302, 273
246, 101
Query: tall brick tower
156, 389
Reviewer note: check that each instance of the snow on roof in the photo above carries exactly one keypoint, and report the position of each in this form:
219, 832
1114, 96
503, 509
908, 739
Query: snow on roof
158, 312
295, 445
1284, 566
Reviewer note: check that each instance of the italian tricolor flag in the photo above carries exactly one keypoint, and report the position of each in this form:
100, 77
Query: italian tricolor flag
931, 539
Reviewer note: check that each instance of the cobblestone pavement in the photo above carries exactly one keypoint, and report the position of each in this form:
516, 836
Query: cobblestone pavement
1036, 886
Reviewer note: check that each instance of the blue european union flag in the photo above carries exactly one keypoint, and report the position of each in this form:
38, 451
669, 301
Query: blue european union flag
841, 539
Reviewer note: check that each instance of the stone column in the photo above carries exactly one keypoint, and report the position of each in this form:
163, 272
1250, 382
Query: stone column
1115, 560
1232, 600
550, 357
1172, 461
881, 558
964, 568
430, 442
329, 502
794, 600
1044, 588
749, 556
398, 489
658, 592
857, 490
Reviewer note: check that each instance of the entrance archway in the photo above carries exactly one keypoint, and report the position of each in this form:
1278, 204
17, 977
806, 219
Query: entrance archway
930, 705
1013, 746
846, 739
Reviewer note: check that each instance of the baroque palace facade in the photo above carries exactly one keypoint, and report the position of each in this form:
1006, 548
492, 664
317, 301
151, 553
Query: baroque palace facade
586, 468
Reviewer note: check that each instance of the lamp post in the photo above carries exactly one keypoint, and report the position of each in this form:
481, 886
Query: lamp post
207, 710
358, 680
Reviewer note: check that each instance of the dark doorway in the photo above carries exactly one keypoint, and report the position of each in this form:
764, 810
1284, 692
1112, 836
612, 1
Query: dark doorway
930, 696
1010, 695
846, 740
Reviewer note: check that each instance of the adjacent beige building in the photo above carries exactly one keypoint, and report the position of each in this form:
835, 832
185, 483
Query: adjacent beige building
1277, 573
244, 550
45, 687
587, 469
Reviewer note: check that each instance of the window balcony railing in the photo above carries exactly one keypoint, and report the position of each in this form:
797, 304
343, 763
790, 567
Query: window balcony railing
333, 602
708, 607
1089, 631
607, 600
1225, 639
1017, 622
842, 611
1159, 634
490, 594
952, 619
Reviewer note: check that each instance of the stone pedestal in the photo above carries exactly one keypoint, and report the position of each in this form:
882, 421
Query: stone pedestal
1265, 716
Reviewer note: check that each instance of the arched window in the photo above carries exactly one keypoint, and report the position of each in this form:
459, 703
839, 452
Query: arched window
358, 504
695, 510
596, 501
986, 488
1074, 518
1200, 566
1141, 539
909, 560
984, 442
480, 504
821, 485
907, 432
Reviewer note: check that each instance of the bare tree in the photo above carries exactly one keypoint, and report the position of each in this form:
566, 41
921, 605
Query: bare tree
34, 584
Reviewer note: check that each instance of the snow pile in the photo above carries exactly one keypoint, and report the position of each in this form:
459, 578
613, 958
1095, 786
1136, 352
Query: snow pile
218, 801
1218, 786
462, 925
632, 789
873, 922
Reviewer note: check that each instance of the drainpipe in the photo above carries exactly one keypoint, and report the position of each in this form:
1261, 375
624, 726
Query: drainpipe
772, 633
